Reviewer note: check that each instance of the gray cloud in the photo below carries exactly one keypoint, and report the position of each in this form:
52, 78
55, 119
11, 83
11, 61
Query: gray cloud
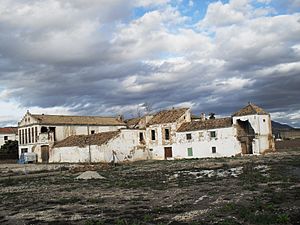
92, 57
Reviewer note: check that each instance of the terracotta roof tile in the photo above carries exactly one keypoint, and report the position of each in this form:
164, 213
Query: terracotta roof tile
167, 116
205, 125
84, 140
8, 130
133, 123
250, 109
77, 120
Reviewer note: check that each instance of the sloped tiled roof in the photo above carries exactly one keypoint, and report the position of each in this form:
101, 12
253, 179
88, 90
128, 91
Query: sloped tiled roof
250, 109
8, 130
132, 123
77, 120
167, 116
84, 140
206, 124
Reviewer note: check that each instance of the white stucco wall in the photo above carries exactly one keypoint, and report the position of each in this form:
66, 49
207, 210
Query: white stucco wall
201, 143
126, 147
11, 137
61, 132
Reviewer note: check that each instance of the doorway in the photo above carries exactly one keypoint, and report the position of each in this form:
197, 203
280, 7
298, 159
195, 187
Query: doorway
168, 152
246, 134
45, 153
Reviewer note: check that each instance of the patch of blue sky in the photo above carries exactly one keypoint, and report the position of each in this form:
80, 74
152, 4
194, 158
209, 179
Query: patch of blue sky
285, 6
165, 55
139, 12
195, 10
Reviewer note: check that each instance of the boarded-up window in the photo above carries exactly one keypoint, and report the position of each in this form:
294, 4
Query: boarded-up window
189, 136
214, 149
153, 135
190, 151
167, 134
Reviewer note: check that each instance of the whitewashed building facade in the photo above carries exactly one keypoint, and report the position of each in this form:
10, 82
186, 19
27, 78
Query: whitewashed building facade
8, 134
38, 132
168, 134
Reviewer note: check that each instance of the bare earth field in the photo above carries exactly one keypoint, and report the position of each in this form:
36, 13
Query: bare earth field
242, 190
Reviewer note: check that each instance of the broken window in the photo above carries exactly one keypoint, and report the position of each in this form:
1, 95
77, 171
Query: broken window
188, 136
214, 149
92, 131
153, 135
213, 134
190, 151
44, 130
167, 134
141, 136
24, 150
52, 130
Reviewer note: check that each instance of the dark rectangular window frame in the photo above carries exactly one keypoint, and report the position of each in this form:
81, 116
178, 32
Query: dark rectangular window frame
5, 138
213, 134
153, 135
29, 135
141, 137
188, 136
167, 133
214, 149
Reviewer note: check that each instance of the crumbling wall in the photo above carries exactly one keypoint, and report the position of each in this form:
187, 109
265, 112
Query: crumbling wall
261, 125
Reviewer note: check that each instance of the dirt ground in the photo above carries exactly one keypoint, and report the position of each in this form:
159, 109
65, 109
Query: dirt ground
241, 190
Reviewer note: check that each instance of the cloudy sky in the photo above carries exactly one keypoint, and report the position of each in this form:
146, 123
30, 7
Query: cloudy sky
109, 57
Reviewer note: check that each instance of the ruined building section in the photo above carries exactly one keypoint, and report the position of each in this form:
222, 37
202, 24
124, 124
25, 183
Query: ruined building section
246, 135
253, 130
106, 147
39, 132
161, 131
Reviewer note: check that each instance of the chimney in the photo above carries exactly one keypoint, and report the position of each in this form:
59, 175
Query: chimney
202, 116
212, 116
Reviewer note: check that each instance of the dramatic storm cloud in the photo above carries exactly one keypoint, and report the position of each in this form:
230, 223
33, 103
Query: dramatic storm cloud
103, 57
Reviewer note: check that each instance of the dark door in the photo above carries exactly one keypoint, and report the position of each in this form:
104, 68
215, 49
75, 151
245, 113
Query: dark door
168, 152
45, 153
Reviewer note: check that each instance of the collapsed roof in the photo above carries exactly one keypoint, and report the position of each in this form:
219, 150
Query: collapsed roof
84, 140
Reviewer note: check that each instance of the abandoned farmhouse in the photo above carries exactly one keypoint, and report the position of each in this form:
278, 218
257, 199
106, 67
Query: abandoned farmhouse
8, 134
168, 134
